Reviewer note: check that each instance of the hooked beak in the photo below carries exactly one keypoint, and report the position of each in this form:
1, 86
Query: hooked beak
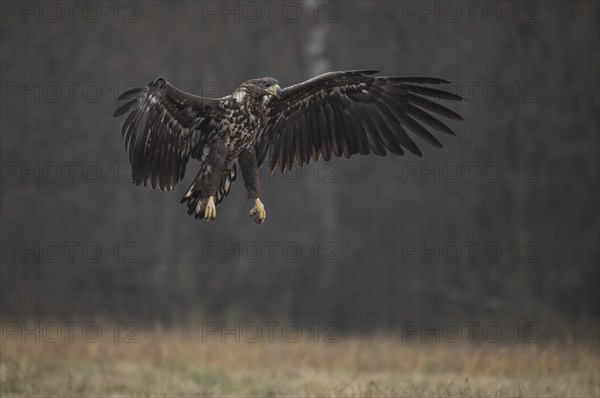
275, 90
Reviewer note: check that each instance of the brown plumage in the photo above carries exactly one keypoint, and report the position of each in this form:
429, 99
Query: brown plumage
334, 114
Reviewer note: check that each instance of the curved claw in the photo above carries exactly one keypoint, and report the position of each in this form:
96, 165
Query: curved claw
258, 213
210, 213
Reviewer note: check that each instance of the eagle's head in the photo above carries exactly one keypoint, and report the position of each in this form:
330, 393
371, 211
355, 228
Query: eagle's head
256, 88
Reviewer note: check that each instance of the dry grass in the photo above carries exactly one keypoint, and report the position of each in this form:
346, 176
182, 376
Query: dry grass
178, 364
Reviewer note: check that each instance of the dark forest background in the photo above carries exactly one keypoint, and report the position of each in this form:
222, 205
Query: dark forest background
366, 243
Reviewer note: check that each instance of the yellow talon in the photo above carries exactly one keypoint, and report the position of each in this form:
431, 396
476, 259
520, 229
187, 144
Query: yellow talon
211, 210
258, 213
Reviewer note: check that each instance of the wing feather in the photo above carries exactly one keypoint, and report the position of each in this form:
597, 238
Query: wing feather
324, 134
337, 141
164, 127
432, 106
352, 112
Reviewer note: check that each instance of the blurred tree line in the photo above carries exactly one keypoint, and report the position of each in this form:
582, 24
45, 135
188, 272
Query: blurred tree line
367, 243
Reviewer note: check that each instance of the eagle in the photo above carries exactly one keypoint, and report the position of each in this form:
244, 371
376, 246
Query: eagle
334, 114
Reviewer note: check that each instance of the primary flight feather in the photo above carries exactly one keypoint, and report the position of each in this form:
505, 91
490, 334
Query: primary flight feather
334, 114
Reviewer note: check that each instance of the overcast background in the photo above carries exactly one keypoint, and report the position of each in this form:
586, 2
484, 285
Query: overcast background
500, 225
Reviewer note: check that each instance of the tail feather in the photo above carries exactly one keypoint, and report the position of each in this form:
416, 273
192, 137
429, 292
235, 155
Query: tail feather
193, 197
229, 176
195, 194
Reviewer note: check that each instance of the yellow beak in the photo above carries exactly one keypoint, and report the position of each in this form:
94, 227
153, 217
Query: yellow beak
275, 90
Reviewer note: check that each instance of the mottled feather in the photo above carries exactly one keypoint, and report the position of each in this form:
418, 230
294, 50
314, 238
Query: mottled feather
334, 114
362, 114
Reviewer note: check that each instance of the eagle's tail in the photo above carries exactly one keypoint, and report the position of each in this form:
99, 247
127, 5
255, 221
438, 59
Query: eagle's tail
193, 197
196, 195
228, 177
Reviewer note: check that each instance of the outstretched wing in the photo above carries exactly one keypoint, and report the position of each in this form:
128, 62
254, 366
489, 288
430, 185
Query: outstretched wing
344, 113
164, 128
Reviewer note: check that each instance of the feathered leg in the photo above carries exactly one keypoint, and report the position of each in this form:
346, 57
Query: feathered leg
200, 196
249, 167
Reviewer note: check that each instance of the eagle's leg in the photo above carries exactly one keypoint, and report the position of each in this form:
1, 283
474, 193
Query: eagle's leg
249, 167
200, 196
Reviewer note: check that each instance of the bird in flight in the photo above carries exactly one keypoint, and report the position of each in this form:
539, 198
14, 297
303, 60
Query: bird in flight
334, 114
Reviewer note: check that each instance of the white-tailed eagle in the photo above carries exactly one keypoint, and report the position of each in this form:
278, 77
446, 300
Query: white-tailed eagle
334, 114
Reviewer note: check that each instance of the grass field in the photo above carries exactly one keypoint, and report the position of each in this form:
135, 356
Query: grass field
181, 364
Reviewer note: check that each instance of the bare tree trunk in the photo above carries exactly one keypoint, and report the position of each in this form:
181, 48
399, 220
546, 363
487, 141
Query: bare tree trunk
317, 62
